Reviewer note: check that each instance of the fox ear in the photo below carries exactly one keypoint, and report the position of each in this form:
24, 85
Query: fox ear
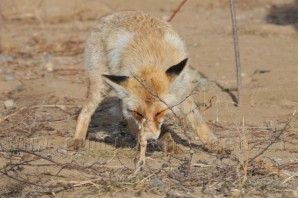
175, 70
116, 83
181, 79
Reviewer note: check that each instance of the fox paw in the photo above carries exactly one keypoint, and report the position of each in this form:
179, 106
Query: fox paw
75, 144
217, 148
173, 148
170, 147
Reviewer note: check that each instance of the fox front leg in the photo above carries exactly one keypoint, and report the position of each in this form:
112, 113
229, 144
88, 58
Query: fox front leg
196, 121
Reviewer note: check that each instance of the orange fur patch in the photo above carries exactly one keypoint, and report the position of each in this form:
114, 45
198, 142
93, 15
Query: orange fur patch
148, 84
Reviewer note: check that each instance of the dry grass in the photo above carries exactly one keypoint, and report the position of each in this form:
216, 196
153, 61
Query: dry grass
35, 168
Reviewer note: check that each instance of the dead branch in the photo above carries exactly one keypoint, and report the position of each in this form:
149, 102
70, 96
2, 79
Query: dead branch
62, 107
31, 153
209, 105
273, 140
271, 169
12, 114
176, 10
19, 180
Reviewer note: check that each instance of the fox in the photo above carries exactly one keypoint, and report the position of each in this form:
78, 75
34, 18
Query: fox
144, 61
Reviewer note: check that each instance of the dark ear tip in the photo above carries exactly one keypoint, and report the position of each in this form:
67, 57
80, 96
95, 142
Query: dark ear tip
177, 69
185, 61
115, 79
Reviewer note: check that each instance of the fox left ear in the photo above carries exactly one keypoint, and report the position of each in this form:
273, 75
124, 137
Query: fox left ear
175, 70
116, 83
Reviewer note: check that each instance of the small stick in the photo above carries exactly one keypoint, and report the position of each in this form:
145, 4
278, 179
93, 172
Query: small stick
237, 52
12, 114
286, 180
176, 10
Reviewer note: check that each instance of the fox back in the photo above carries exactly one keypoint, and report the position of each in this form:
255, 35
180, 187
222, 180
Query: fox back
132, 40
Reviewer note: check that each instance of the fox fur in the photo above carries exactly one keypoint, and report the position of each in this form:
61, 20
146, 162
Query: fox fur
144, 61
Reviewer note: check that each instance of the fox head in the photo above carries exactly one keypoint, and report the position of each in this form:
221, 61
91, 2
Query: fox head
147, 95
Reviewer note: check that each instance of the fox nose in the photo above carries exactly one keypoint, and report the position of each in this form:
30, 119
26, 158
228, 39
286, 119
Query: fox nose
152, 132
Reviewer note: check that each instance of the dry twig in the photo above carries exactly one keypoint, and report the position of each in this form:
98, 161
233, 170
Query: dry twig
177, 10
273, 140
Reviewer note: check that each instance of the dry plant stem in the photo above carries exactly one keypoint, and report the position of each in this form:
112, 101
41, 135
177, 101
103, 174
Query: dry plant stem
269, 168
176, 10
273, 138
208, 106
292, 176
12, 114
62, 107
141, 153
19, 180
245, 163
246, 151
236, 49
30, 152
63, 165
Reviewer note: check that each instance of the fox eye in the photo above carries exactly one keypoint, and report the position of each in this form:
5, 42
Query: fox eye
159, 113
137, 115
140, 115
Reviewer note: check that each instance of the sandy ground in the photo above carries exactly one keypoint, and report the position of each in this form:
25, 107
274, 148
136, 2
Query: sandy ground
42, 87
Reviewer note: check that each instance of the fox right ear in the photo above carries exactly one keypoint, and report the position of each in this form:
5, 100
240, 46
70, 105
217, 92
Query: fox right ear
180, 78
116, 82
175, 70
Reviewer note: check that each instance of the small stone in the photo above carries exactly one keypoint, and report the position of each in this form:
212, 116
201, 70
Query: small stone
49, 66
62, 151
165, 165
5, 58
8, 104
195, 45
157, 183
19, 88
8, 77
47, 63
243, 74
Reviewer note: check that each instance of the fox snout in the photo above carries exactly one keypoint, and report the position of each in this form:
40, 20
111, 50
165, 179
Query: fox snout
151, 130
148, 128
